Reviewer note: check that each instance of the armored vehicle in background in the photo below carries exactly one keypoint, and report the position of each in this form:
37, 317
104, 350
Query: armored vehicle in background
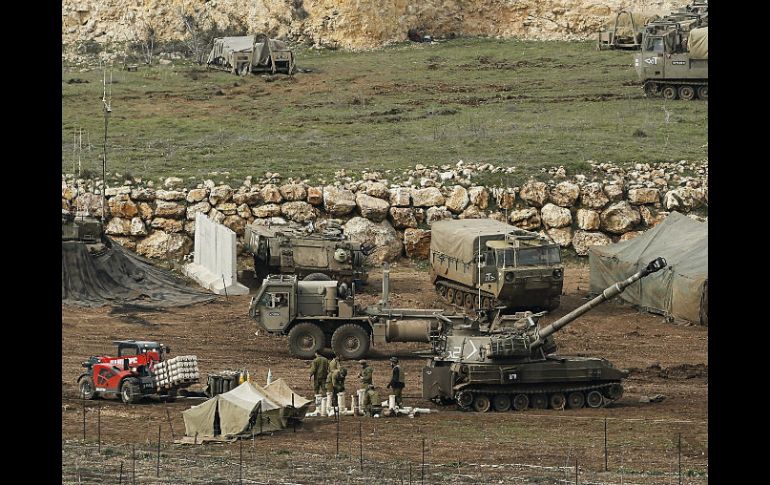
81, 228
673, 61
511, 267
251, 54
284, 250
510, 363
625, 31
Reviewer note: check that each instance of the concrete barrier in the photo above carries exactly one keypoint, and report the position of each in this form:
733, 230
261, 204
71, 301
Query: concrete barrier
214, 266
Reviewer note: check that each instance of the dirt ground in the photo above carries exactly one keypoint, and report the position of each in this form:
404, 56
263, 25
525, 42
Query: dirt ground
642, 438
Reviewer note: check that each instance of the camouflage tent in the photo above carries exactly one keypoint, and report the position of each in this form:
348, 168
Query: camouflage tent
698, 43
680, 291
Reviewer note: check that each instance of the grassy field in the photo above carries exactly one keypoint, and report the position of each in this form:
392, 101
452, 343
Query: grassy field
511, 103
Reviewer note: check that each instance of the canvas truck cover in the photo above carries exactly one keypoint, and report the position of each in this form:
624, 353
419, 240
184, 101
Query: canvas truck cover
240, 411
459, 238
698, 43
681, 289
224, 46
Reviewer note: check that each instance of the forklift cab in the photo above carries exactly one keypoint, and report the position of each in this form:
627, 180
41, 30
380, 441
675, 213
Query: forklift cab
138, 347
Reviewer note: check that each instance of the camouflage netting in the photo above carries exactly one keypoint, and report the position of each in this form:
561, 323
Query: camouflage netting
116, 276
698, 43
680, 290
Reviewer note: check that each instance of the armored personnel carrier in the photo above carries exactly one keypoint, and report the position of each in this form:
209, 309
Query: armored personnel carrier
510, 363
320, 256
496, 263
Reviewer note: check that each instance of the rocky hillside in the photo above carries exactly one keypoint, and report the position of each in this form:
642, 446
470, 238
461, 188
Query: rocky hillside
353, 24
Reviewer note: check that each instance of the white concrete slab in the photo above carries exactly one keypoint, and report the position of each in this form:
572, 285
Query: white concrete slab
214, 266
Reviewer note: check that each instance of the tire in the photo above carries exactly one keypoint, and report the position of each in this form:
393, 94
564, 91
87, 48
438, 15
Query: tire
539, 401
350, 341
469, 302
501, 403
520, 402
317, 277
557, 401
481, 403
686, 92
669, 92
576, 400
305, 339
594, 399
703, 92
614, 392
459, 298
130, 392
450, 295
87, 389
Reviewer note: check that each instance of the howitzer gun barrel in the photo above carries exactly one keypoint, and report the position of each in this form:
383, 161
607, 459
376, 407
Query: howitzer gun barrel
611, 292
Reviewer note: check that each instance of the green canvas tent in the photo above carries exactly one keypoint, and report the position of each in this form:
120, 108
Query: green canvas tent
680, 291
242, 411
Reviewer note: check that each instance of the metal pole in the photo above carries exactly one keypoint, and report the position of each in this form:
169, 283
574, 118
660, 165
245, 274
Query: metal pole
679, 453
170, 425
361, 446
133, 463
605, 445
120, 477
422, 468
240, 463
479, 265
410, 473
84, 420
99, 429
157, 467
338, 436
576, 471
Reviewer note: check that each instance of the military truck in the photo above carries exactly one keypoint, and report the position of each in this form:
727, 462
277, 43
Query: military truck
673, 61
496, 263
324, 314
287, 250
251, 54
625, 31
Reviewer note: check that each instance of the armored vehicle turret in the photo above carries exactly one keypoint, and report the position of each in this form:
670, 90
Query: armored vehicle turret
510, 363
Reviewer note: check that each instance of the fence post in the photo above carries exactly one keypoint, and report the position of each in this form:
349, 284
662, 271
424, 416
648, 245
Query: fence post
99, 429
240, 463
157, 467
679, 459
133, 463
120, 477
605, 445
84, 420
410, 473
576, 471
361, 445
338, 436
170, 425
422, 468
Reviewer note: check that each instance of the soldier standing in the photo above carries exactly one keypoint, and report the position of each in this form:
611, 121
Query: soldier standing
366, 374
396, 380
334, 365
371, 404
336, 383
319, 371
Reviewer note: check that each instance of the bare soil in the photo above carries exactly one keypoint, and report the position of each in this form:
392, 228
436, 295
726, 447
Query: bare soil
666, 359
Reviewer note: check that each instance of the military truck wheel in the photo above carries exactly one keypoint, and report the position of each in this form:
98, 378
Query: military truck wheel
350, 341
130, 392
469, 302
669, 92
305, 339
501, 403
594, 399
539, 401
703, 92
520, 402
576, 400
557, 401
87, 390
686, 92
317, 277
481, 403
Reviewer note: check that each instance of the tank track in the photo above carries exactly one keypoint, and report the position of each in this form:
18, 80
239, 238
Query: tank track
654, 87
530, 390
464, 289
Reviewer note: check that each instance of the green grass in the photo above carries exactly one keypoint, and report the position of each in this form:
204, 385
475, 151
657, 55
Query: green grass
506, 102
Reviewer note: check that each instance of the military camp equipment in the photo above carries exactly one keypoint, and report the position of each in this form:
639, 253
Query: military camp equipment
251, 54
81, 228
511, 363
673, 61
496, 263
624, 31
285, 250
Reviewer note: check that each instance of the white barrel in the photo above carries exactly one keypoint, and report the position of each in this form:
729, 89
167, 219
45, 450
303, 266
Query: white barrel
341, 400
360, 393
318, 398
392, 401
353, 406
323, 406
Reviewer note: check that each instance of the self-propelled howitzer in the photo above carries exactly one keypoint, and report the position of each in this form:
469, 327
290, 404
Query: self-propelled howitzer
511, 363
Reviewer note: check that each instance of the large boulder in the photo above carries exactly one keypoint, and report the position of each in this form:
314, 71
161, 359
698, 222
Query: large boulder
167, 225
193, 210
458, 199
173, 183
220, 194
417, 243
252, 197
293, 192
387, 246
592, 196
244, 211
372, 208
169, 209
170, 195
338, 202
271, 194
534, 193
69, 193
267, 210
146, 210
643, 196
92, 204
561, 235
137, 227
298, 211
684, 199
506, 199
588, 220
555, 216
315, 195
118, 226
400, 197
582, 240
620, 217
434, 214
402, 217
216, 216
122, 206
565, 194
143, 194
227, 208
479, 196
376, 189
236, 224
614, 192
651, 216
197, 195
528, 219
427, 197
472, 212
162, 245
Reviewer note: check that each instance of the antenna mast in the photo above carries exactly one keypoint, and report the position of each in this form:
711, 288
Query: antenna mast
107, 108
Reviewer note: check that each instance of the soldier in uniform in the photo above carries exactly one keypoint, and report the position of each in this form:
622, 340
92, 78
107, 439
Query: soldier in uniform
334, 364
319, 371
371, 404
336, 382
366, 374
396, 380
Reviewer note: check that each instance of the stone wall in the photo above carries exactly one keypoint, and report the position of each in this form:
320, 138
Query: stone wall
354, 24
609, 204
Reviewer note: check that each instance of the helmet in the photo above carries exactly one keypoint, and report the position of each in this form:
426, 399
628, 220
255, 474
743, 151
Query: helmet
394, 360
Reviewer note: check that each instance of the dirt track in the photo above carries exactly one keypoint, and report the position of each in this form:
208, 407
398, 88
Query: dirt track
664, 358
